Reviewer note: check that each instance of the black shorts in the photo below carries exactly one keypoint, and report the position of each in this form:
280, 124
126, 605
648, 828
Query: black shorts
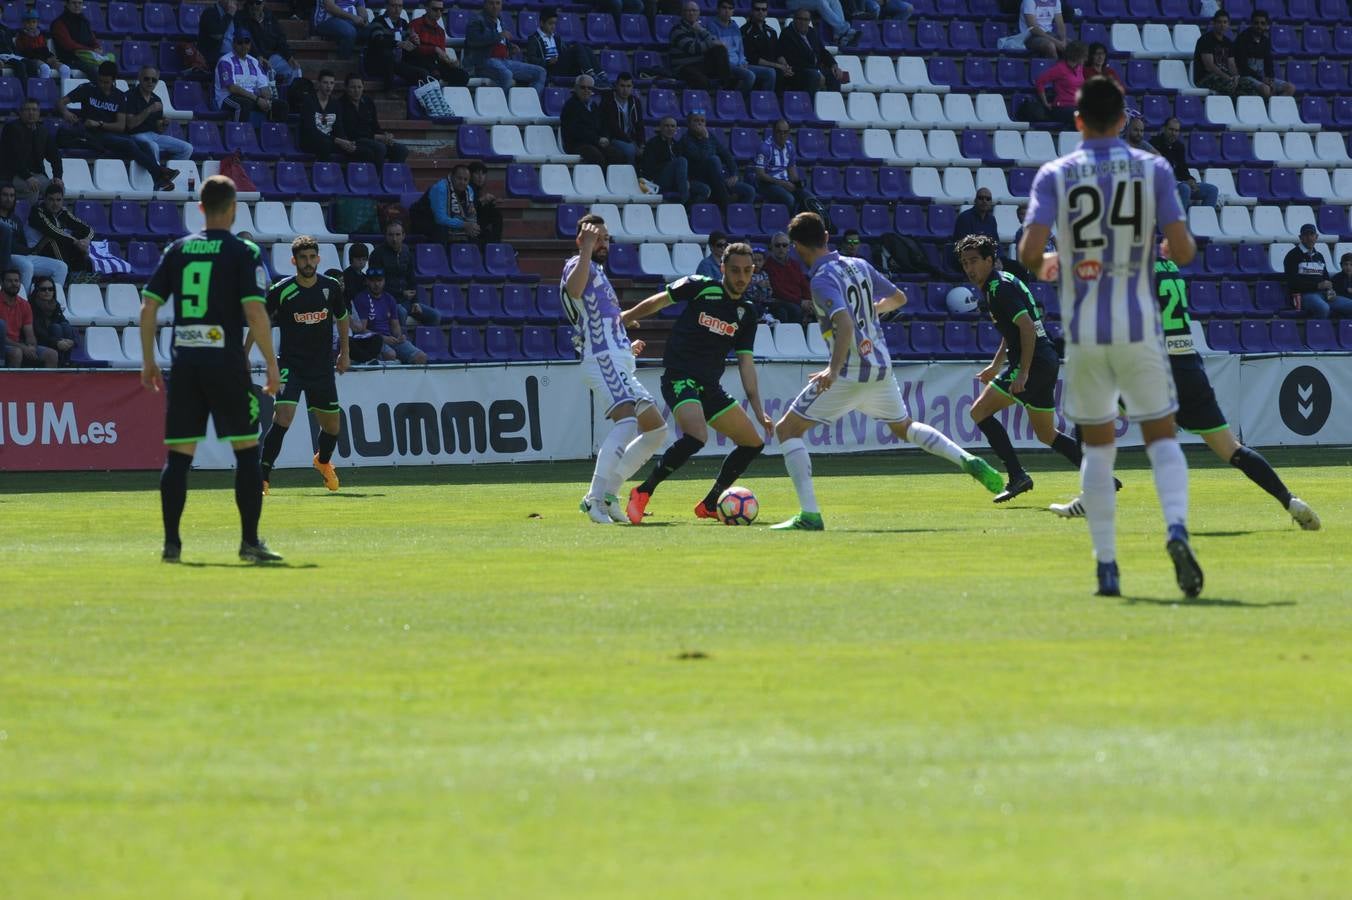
678, 388
223, 391
1198, 410
1040, 392
321, 391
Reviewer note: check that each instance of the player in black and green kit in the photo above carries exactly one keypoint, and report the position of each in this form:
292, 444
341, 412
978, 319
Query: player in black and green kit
1031, 364
1198, 411
717, 319
305, 307
216, 283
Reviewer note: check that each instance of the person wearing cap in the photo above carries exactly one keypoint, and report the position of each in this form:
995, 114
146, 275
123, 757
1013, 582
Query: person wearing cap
377, 311
546, 49
243, 89
712, 165
1307, 279
101, 124
581, 126
30, 43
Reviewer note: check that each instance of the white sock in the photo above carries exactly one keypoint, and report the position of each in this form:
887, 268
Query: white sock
932, 441
1099, 496
638, 452
608, 456
799, 463
1171, 479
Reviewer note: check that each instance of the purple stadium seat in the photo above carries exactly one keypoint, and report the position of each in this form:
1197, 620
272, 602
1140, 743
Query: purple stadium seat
474, 142
518, 302
1204, 148
799, 108
136, 54
1334, 220
1219, 259
538, 343
941, 220
926, 339
1345, 333
1156, 109
1331, 76
742, 219
553, 100
548, 304
894, 183
1320, 336
242, 136
813, 146
730, 108
189, 15
1091, 32
502, 343
828, 183
11, 93
1113, 9
205, 138
1255, 338
363, 180
744, 142
48, 10
467, 344
294, 180
124, 19
483, 303
963, 36
1235, 299
563, 337
960, 339
1143, 9
697, 102
846, 145
328, 179
1315, 110
875, 219
634, 30
987, 338
467, 262
1048, 297
860, 183
911, 220
566, 219
663, 102
648, 64
1191, 112
44, 90
165, 219
189, 96
1204, 298
898, 344
978, 144
500, 262
944, 70
144, 256
168, 59
1318, 41
1286, 337
1270, 297
614, 63
1175, 10
764, 108
275, 140
524, 181
893, 36
601, 31
705, 218
929, 35
1301, 74
936, 297
662, 25
1285, 40
1141, 76
11, 16
1012, 73
1020, 181
449, 300
1237, 148
128, 220
397, 178
95, 215
1252, 182
991, 33
843, 218
624, 263
432, 342
1252, 259
430, 261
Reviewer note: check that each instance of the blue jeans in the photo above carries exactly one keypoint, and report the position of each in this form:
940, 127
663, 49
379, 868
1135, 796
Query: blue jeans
889, 9
1204, 194
675, 179
286, 73
629, 150
766, 77
342, 31
616, 7
504, 71
164, 146
31, 266
1318, 306
426, 315
777, 193
745, 78
830, 11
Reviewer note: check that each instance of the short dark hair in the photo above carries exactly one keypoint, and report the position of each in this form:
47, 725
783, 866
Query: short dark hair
218, 192
850, 231
1346, 257
32, 100
8, 269
741, 248
716, 236
303, 242
358, 251
808, 229
325, 73
354, 76
476, 167
983, 244
1100, 103
590, 219
458, 167
624, 76
1220, 14
108, 68
52, 190
1260, 14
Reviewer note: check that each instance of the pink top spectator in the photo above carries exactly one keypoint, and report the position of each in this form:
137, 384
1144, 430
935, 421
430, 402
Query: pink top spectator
1065, 81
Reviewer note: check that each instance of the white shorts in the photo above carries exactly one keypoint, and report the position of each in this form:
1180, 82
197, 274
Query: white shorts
611, 377
1097, 374
880, 400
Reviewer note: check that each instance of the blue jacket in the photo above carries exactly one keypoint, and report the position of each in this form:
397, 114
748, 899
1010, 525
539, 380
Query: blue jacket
481, 36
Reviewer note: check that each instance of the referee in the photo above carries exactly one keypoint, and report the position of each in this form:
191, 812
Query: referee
216, 283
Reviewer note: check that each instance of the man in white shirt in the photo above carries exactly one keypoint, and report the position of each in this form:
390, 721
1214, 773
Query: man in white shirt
1042, 31
243, 88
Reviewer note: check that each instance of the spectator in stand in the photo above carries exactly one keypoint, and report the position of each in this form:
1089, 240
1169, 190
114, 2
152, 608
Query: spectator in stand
852, 246
485, 205
1134, 135
711, 163
1058, 85
1042, 30
21, 344
760, 44
387, 42
833, 14
424, 49
580, 124
76, 45
979, 218
31, 43
243, 89
379, 313
1342, 282
887, 9
50, 325
711, 266
792, 293
663, 165
622, 118
216, 30
146, 123
760, 78
759, 291
1213, 62
776, 170
812, 66
1169, 143
1022, 213
60, 235
700, 59
362, 126
453, 214
28, 144
28, 263
101, 125
490, 51
395, 259
270, 43
1307, 278
343, 21
1098, 65
354, 276
546, 49
1253, 56
323, 130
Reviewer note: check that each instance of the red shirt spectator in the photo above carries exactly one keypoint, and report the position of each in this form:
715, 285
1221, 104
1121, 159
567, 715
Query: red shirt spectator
788, 282
1098, 65
1065, 78
17, 313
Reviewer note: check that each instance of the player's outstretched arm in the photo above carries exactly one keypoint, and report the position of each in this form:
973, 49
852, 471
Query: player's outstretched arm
260, 329
1032, 244
150, 370
887, 304
1182, 247
646, 308
746, 368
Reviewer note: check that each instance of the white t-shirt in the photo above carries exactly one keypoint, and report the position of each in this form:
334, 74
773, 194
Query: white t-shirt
1044, 11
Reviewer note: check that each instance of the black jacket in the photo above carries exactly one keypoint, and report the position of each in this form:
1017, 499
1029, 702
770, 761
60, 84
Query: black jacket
398, 268
581, 124
24, 150
211, 29
1174, 153
759, 43
319, 125
623, 128
804, 51
656, 154
360, 121
59, 233
1304, 270
268, 37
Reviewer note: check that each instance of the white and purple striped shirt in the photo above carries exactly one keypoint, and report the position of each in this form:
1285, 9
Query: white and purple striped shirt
1104, 201
321, 13
596, 314
246, 73
845, 283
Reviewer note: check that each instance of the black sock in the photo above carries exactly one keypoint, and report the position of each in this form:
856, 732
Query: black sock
733, 467
327, 443
999, 440
672, 460
1067, 447
174, 493
1261, 473
272, 445
248, 493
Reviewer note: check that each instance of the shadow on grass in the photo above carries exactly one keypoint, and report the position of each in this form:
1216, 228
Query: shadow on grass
896, 530
1222, 533
247, 565
1203, 601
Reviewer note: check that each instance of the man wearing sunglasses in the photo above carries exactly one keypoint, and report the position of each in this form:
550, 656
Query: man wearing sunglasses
146, 124
243, 89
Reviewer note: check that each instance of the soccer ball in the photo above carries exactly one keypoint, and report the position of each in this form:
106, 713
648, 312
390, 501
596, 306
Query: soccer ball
737, 506
961, 300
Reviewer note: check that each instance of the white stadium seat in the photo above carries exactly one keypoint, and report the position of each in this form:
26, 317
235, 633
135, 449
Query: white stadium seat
104, 343
1342, 185
541, 141
1203, 223
764, 347
1300, 150
1285, 115
1236, 223
79, 181
958, 182
673, 222
557, 179
614, 222
623, 182
1316, 183
461, 102
524, 104
1008, 145
589, 186
926, 182
928, 110
124, 303
686, 257
1007, 221
864, 112
791, 342
1227, 193
830, 106
994, 181
1127, 39
909, 145
880, 74
1251, 114
271, 223
655, 259
640, 224
816, 344
1157, 42
992, 112
307, 217
879, 145
110, 177
895, 109
1185, 39
1330, 149
131, 346
1221, 111
84, 306
960, 112
943, 147
506, 140
1173, 75
491, 105
855, 69
1067, 142
1295, 217
1038, 148
913, 75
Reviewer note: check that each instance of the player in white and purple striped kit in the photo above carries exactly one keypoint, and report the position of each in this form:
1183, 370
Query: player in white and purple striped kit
1105, 200
608, 369
850, 295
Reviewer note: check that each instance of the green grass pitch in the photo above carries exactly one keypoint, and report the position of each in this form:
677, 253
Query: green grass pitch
458, 687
